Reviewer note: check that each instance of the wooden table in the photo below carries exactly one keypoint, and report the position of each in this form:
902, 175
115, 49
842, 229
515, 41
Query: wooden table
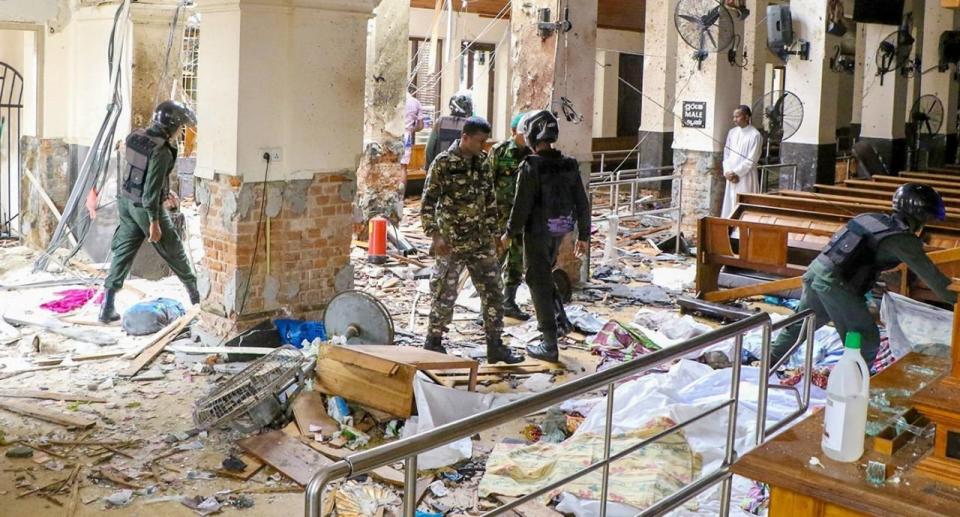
841, 489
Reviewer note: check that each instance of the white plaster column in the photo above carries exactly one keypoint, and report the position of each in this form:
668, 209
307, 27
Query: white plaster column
884, 105
936, 20
856, 120
758, 53
698, 152
607, 91
151, 32
659, 81
813, 147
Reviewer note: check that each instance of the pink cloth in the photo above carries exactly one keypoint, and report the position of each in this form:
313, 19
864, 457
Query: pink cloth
71, 300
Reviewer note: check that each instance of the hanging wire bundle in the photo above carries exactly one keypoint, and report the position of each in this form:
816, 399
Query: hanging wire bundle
76, 221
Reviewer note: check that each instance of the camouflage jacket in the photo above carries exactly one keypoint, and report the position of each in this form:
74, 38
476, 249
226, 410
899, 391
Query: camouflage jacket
459, 202
504, 161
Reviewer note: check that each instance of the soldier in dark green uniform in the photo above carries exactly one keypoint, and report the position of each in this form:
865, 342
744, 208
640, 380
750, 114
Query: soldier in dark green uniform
459, 212
150, 157
504, 160
837, 280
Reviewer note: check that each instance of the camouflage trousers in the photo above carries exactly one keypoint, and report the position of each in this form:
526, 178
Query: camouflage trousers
512, 263
444, 287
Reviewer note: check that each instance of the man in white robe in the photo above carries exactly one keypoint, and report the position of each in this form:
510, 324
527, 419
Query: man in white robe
740, 155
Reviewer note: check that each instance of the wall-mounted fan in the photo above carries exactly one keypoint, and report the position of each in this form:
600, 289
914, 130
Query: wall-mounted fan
778, 115
705, 25
893, 53
926, 119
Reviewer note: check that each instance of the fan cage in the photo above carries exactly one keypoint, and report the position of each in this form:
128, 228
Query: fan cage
264, 378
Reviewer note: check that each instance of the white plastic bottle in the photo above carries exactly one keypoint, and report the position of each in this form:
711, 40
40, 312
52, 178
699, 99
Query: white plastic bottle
848, 395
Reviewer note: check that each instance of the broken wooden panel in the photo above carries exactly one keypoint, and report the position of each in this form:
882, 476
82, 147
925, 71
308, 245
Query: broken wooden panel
380, 376
289, 456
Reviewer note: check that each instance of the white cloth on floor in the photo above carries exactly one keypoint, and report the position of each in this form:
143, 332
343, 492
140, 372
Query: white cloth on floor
740, 155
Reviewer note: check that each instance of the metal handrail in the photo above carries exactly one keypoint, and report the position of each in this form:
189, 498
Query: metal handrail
763, 174
408, 448
803, 402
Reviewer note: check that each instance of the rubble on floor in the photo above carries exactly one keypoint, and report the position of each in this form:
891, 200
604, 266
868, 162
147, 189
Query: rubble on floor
94, 417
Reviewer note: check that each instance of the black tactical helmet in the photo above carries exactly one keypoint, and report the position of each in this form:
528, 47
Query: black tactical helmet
918, 204
540, 126
172, 115
461, 105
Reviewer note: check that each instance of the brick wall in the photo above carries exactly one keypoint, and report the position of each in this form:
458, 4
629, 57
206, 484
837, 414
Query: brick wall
703, 187
310, 235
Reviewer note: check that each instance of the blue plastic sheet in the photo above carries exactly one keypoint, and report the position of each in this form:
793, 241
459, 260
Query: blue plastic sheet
294, 332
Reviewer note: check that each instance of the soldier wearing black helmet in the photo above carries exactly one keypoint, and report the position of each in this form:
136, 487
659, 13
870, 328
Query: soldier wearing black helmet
550, 203
151, 154
446, 130
837, 280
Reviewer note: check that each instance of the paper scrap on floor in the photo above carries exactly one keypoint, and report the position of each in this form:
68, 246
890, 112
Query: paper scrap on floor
640, 479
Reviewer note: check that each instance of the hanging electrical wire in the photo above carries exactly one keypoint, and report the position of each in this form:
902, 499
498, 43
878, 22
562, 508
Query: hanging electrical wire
76, 220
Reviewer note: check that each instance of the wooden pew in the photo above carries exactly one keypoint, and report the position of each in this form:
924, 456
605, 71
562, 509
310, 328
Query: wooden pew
931, 176
846, 206
897, 180
892, 187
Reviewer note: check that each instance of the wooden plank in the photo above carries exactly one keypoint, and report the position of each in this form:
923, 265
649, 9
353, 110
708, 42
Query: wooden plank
308, 409
155, 346
49, 395
42, 413
253, 466
422, 359
58, 327
352, 356
77, 358
289, 456
246, 350
754, 290
385, 474
49, 202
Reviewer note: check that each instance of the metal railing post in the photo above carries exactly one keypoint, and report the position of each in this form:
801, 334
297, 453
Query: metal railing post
731, 452
410, 486
606, 452
764, 384
679, 178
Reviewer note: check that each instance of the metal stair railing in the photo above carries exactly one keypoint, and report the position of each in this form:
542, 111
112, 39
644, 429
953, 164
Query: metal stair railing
407, 449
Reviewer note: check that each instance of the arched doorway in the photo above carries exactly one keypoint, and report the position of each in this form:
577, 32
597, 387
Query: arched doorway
11, 106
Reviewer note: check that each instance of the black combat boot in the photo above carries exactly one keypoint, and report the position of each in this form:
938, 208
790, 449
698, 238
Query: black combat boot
510, 307
193, 293
546, 350
498, 352
564, 326
108, 314
434, 344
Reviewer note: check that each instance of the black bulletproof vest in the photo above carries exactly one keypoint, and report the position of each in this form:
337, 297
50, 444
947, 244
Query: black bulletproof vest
140, 147
853, 251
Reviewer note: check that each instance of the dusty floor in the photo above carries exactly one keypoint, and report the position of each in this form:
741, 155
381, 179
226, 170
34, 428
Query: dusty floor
139, 415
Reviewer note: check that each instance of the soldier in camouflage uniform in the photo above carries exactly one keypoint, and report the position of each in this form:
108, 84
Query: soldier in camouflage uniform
459, 212
504, 160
